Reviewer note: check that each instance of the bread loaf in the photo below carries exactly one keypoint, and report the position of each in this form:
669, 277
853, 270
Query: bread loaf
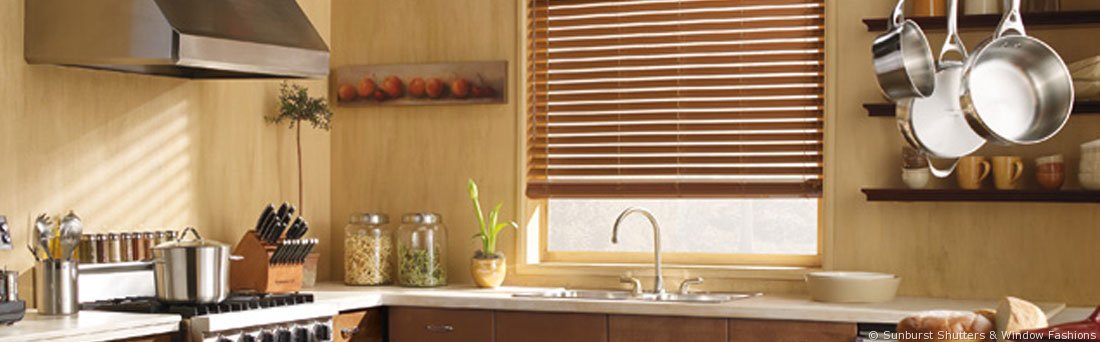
945, 326
1014, 314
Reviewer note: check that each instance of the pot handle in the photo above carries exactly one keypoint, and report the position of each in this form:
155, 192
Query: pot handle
193, 231
953, 43
942, 173
897, 18
235, 257
1012, 21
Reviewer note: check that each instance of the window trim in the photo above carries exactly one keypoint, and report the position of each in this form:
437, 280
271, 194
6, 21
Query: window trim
531, 263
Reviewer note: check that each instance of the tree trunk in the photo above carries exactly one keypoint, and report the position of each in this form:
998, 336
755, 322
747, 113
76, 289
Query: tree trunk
301, 194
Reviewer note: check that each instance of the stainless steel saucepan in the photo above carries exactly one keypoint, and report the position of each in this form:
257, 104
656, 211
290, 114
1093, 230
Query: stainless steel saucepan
936, 124
191, 270
903, 60
1016, 89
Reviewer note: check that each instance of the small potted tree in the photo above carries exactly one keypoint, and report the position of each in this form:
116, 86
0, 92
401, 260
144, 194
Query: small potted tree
488, 266
296, 106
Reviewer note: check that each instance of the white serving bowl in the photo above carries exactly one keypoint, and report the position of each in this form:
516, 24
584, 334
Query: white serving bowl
1089, 180
852, 287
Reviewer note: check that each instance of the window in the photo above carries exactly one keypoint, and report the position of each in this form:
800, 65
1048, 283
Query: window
708, 112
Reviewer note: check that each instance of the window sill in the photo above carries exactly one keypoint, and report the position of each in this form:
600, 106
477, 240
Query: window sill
794, 273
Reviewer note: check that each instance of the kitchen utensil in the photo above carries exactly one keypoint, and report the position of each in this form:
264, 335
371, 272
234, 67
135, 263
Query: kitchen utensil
1007, 171
5, 234
71, 229
276, 218
280, 251
192, 270
915, 178
982, 6
852, 287
300, 229
928, 8
1050, 171
1016, 90
935, 125
56, 287
902, 58
44, 225
265, 215
9, 286
971, 172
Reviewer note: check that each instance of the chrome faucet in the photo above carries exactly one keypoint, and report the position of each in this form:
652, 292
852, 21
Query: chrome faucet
659, 281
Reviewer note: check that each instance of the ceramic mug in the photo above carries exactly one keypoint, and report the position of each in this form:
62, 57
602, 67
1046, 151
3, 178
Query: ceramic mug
915, 178
1007, 171
970, 173
1050, 171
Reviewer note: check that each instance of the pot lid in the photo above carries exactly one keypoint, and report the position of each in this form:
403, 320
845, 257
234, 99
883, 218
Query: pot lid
195, 242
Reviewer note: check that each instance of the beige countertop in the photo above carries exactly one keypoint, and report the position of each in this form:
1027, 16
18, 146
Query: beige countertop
768, 306
89, 326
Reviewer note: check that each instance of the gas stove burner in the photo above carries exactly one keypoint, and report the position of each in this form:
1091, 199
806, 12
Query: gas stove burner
234, 303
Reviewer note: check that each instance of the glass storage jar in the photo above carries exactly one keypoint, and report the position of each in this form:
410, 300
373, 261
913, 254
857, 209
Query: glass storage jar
422, 250
368, 250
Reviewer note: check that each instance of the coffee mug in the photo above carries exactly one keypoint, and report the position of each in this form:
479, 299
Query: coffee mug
1007, 171
970, 173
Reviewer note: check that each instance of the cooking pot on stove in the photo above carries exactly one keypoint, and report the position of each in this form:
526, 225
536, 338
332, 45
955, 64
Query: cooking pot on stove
192, 270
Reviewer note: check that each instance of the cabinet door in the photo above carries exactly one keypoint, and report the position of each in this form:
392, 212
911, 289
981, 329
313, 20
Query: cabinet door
667, 329
550, 327
359, 326
440, 325
748, 330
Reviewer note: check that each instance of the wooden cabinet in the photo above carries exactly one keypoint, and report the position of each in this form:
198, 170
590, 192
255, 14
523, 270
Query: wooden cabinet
748, 330
514, 326
667, 329
409, 324
360, 326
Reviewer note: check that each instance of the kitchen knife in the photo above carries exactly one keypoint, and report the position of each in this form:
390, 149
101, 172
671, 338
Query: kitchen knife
279, 214
289, 214
265, 218
309, 249
277, 232
292, 230
279, 250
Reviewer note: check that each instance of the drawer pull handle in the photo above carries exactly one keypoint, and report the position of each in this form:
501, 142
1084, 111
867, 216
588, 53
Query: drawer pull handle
439, 328
347, 333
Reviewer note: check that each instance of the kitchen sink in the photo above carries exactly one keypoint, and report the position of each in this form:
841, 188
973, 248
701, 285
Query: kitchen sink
647, 297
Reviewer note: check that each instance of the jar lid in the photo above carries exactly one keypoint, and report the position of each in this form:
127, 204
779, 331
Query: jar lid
422, 218
370, 218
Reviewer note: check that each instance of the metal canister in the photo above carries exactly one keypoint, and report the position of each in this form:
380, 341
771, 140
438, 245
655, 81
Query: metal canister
103, 246
89, 253
126, 242
114, 248
137, 248
56, 287
150, 242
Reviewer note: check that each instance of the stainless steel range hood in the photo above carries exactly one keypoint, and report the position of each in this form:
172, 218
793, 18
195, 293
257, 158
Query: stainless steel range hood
179, 38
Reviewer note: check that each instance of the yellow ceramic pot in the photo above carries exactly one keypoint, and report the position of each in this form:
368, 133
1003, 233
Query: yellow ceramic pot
489, 273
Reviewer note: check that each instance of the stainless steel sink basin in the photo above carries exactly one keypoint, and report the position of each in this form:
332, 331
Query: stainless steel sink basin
648, 297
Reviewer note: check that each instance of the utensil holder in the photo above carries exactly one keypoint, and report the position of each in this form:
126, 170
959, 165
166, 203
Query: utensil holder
255, 272
55, 287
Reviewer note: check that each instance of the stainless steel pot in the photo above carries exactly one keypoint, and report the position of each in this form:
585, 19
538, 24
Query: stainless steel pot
1016, 89
936, 125
903, 60
192, 270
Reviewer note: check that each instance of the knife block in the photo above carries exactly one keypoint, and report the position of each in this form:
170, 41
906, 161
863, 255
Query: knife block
255, 272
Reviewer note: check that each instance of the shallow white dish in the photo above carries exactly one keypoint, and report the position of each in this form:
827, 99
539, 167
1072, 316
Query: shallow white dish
852, 287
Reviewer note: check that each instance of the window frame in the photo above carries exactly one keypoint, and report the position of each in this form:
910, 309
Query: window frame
534, 260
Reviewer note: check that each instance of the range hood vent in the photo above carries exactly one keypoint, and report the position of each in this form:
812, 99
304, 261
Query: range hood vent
178, 38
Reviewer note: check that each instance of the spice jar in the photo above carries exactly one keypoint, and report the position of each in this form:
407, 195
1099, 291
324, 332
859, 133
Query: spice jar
114, 248
150, 242
421, 250
88, 249
126, 242
138, 246
368, 250
103, 246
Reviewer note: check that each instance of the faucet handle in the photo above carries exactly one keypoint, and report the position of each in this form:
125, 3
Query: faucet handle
635, 283
685, 287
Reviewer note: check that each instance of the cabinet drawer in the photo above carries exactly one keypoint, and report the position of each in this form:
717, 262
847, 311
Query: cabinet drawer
667, 329
359, 326
748, 330
550, 327
409, 324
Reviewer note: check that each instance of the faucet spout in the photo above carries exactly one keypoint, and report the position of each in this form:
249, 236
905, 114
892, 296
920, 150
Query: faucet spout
659, 279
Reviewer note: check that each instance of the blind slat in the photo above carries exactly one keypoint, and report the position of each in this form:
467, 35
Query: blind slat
675, 98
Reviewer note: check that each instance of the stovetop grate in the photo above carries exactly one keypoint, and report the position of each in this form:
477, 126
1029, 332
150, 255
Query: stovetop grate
234, 303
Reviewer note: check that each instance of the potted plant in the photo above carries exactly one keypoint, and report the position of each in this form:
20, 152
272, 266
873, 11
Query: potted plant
296, 106
488, 266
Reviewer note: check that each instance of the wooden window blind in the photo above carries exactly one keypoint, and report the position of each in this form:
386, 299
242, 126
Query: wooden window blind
675, 98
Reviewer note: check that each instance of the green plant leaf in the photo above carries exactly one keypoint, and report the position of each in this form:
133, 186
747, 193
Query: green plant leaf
471, 188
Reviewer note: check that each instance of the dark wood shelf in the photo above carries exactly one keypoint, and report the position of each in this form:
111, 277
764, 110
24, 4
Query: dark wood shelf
888, 109
1051, 19
958, 195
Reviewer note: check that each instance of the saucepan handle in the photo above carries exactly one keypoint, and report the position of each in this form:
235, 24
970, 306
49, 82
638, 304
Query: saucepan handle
1012, 22
898, 17
942, 173
953, 42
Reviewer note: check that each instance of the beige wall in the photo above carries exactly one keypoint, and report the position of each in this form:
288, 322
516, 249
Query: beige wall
133, 152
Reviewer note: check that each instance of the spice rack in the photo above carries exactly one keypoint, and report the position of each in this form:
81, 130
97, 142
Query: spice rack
257, 272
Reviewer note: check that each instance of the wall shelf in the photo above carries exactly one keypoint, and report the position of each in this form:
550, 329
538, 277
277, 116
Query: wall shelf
888, 109
958, 195
1051, 19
